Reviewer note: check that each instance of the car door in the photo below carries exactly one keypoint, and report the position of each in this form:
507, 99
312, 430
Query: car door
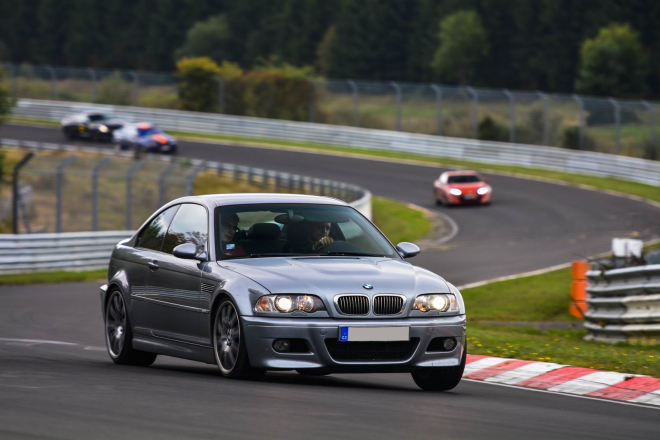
174, 283
147, 248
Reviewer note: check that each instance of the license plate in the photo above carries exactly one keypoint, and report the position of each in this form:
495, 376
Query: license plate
360, 334
470, 197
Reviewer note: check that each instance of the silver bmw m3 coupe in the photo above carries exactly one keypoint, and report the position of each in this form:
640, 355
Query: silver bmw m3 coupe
258, 282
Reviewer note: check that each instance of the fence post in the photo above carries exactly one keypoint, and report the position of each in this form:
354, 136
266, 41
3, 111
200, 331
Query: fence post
221, 92
191, 178
438, 105
512, 115
16, 190
397, 89
92, 75
475, 111
136, 87
59, 183
356, 103
95, 192
582, 122
53, 81
312, 101
546, 118
617, 122
129, 193
651, 110
161, 182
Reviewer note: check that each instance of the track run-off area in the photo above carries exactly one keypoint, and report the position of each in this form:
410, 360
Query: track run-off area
57, 381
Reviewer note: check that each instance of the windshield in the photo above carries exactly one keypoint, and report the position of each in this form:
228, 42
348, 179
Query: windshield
466, 178
270, 230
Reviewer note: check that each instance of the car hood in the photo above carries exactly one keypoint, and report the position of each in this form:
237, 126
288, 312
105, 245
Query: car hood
329, 276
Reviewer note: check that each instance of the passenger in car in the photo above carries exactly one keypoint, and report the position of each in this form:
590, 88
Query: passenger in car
229, 228
307, 237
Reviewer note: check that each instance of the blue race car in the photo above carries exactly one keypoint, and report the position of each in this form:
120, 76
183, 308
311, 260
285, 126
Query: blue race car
144, 137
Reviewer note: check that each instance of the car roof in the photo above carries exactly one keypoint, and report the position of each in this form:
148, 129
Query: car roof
215, 200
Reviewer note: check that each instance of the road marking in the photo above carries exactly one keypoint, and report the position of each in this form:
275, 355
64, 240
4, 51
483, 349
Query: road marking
37, 341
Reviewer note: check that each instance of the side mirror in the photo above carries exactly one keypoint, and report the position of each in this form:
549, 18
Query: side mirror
407, 250
188, 251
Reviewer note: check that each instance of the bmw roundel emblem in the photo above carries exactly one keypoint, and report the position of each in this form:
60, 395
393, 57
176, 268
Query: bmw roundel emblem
368, 286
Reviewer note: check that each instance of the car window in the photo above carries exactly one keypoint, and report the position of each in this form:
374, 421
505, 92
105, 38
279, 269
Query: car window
190, 225
152, 236
96, 117
293, 229
467, 178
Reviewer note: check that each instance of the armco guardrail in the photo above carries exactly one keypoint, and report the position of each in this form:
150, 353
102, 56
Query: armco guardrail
624, 304
66, 251
583, 162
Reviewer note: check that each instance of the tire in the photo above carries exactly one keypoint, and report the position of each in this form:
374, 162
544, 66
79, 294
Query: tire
229, 347
119, 336
438, 202
440, 379
70, 134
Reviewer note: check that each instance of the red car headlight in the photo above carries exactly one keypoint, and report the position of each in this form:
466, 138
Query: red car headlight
483, 190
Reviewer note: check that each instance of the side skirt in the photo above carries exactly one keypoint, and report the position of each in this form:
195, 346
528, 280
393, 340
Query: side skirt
172, 348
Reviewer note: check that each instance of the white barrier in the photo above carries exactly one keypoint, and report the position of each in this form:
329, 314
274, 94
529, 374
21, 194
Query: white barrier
582, 162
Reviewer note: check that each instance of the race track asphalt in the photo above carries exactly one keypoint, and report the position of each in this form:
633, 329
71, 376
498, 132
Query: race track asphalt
69, 388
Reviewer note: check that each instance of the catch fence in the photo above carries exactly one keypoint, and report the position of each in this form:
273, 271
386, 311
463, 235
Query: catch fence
607, 125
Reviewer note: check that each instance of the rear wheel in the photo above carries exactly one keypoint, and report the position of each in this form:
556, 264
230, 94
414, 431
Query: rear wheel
119, 337
440, 379
229, 344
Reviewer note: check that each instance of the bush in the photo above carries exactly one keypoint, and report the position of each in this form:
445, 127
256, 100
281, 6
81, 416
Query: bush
6, 101
279, 92
489, 130
198, 89
571, 139
114, 90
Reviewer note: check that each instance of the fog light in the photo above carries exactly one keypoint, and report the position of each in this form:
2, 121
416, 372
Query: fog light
281, 345
449, 344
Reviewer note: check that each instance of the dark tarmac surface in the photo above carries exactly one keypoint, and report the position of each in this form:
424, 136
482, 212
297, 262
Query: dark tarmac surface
67, 387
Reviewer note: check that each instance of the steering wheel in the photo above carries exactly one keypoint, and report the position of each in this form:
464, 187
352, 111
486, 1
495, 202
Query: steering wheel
339, 246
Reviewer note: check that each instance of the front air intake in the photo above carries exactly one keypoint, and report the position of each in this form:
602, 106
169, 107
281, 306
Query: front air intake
388, 304
352, 304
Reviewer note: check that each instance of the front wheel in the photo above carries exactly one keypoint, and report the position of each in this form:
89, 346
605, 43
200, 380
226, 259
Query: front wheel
442, 378
119, 337
229, 344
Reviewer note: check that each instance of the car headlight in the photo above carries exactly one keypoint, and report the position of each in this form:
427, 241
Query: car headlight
288, 304
442, 302
483, 190
455, 192
103, 129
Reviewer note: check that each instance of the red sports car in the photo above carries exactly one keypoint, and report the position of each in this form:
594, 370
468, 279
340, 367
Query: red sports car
462, 188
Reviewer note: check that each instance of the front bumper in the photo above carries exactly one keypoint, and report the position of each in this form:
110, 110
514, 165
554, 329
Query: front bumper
261, 332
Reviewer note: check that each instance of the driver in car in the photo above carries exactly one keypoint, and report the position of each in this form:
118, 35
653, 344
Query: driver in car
310, 237
229, 228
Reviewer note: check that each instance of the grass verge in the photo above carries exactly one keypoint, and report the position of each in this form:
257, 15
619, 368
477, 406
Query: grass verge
506, 320
59, 276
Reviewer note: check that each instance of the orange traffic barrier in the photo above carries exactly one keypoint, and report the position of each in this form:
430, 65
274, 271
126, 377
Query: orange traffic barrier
578, 305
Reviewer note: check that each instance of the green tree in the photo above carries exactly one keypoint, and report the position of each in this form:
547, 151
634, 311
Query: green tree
463, 46
207, 39
198, 88
614, 63
324, 51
